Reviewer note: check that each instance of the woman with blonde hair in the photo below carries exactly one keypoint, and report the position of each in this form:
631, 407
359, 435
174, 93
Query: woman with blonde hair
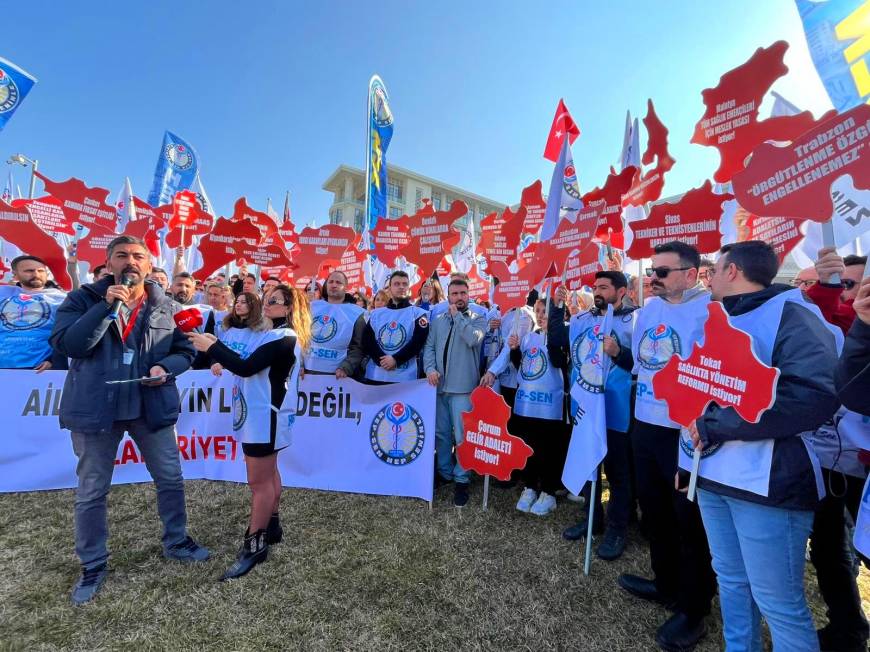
380, 299
263, 349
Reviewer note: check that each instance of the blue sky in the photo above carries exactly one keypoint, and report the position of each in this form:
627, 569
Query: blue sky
272, 94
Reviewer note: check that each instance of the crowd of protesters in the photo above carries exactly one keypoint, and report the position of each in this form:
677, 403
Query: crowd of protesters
790, 483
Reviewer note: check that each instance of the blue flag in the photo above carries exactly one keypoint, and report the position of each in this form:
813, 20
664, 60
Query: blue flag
15, 84
563, 200
176, 170
380, 134
837, 35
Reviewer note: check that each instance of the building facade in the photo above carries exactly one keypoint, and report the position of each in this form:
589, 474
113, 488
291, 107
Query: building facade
406, 191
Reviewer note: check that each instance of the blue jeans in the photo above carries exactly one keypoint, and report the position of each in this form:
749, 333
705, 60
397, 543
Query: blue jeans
449, 433
759, 557
96, 453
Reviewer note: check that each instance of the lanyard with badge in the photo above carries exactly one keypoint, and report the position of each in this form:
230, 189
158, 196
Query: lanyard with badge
127, 325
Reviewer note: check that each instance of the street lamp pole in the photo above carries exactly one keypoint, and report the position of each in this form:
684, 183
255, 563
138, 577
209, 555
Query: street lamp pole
21, 159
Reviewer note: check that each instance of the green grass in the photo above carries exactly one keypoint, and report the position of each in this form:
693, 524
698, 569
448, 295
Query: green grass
354, 573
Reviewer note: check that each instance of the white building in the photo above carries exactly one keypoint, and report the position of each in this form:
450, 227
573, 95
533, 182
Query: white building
405, 193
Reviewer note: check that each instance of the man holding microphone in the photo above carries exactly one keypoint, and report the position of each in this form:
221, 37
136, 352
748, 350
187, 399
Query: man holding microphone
126, 353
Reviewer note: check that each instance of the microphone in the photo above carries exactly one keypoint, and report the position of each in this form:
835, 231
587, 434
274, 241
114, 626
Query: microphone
127, 282
188, 320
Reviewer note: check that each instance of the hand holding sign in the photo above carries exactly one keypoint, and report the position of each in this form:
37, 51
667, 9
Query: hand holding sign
724, 370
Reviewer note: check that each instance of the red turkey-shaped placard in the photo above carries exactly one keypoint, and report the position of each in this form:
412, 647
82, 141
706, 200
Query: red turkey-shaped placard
186, 211
319, 245
610, 195
241, 211
574, 236
390, 239
581, 268
147, 230
795, 180
478, 288
184, 208
693, 219
487, 447
225, 244
17, 227
92, 248
724, 370
533, 201
781, 233
47, 213
352, 264
433, 235
730, 123
500, 235
512, 289
648, 187
86, 206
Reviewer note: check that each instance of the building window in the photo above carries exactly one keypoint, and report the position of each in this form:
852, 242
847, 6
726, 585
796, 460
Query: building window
395, 212
357, 214
394, 191
337, 216
436, 201
418, 199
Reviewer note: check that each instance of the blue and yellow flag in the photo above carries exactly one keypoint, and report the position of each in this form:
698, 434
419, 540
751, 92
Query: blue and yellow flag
838, 36
15, 84
380, 134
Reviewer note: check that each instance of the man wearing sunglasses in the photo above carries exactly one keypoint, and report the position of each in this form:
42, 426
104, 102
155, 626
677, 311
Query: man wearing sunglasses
669, 324
835, 299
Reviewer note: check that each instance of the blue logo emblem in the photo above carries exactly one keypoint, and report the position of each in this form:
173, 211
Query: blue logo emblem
179, 156
24, 312
323, 328
686, 445
586, 354
397, 434
392, 336
534, 364
240, 409
9, 94
656, 347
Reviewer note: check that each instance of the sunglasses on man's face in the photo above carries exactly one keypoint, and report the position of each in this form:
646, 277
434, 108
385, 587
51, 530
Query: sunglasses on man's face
662, 272
849, 284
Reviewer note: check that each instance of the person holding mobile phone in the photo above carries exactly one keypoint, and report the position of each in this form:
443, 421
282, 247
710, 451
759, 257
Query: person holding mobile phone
121, 328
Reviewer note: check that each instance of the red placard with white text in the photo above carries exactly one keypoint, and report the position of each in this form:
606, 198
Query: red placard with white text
18, 228
488, 448
723, 370
648, 186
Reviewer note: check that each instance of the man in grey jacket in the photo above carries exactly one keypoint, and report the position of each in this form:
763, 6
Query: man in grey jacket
451, 360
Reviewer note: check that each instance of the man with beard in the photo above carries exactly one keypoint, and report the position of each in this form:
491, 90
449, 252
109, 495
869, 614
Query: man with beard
667, 325
451, 360
157, 275
183, 289
395, 334
610, 288
337, 326
127, 353
27, 314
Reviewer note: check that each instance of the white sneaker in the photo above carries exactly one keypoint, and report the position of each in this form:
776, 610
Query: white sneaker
529, 496
543, 505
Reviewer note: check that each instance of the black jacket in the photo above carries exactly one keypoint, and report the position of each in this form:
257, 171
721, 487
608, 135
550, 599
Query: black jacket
805, 353
83, 332
853, 371
411, 350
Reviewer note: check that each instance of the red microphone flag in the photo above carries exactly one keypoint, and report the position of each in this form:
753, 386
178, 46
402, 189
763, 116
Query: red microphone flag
187, 320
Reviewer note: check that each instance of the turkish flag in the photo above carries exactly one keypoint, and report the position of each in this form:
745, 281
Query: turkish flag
563, 124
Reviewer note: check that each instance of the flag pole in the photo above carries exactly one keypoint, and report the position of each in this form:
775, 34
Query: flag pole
829, 241
485, 492
587, 561
366, 217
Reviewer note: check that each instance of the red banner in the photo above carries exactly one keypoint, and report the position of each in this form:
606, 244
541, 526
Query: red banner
18, 228
533, 201
47, 213
433, 235
241, 211
319, 245
781, 233
648, 187
500, 235
390, 239
86, 206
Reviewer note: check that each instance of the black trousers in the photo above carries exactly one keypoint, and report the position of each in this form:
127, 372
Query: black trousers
831, 554
618, 465
679, 554
549, 441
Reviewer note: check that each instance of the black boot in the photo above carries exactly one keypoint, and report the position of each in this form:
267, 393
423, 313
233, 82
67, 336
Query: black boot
254, 551
274, 531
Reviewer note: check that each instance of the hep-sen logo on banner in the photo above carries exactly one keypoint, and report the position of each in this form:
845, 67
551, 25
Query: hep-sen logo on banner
397, 434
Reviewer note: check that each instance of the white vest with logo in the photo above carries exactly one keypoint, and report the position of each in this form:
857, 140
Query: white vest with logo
393, 329
331, 333
500, 365
540, 389
663, 329
252, 396
26, 322
617, 390
746, 465
838, 441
